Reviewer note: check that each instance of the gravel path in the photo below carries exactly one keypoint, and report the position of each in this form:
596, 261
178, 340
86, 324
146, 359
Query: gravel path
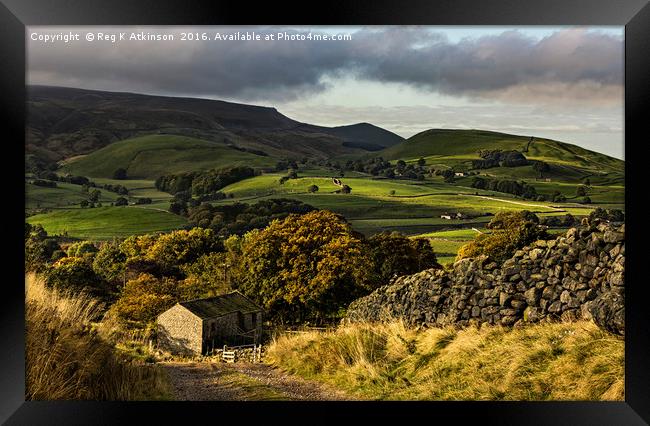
206, 381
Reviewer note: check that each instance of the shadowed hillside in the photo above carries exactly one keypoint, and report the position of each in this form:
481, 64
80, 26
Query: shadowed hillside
63, 122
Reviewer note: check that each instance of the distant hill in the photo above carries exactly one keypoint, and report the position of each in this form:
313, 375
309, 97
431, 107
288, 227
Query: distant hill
364, 135
147, 157
65, 122
461, 146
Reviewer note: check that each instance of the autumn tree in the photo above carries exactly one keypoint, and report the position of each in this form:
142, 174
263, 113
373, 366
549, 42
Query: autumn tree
144, 298
181, 247
304, 266
511, 230
210, 273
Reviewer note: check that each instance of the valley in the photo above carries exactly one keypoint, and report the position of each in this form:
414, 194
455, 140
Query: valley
377, 202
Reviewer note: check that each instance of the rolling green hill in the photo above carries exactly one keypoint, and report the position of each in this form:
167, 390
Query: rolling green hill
459, 147
148, 157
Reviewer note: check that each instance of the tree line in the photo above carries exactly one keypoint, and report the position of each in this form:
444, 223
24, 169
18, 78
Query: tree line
305, 267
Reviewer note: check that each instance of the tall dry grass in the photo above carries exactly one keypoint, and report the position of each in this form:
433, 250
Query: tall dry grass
561, 361
67, 359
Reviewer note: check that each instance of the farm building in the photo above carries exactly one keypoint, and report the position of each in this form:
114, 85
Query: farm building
457, 215
197, 326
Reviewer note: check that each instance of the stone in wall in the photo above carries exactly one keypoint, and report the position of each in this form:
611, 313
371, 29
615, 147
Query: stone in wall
576, 275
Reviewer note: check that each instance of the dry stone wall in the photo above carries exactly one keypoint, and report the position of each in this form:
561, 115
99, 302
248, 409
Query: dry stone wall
577, 275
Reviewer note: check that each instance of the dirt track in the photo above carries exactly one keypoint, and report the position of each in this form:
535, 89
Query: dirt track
205, 381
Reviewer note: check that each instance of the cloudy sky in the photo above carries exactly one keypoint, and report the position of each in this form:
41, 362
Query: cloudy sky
564, 83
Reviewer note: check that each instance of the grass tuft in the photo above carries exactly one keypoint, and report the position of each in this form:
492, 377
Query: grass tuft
66, 359
560, 361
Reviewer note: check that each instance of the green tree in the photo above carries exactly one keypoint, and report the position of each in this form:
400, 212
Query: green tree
95, 195
75, 274
121, 201
39, 249
422, 162
581, 190
109, 263
81, 248
119, 174
395, 254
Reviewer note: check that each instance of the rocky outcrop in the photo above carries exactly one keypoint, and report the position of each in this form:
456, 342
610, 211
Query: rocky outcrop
577, 275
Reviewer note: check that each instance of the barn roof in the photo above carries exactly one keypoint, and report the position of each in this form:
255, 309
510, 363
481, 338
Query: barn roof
218, 306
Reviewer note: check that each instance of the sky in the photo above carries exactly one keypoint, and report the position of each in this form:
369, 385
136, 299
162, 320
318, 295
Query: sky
563, 83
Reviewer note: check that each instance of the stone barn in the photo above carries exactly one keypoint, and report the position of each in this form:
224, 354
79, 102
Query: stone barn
197, 326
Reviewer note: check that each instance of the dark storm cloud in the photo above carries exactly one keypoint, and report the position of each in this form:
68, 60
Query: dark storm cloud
572, 63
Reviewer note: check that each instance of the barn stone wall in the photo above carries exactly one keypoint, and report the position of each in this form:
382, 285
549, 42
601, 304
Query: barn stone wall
180, 331
223, 326
224, 330
577, 275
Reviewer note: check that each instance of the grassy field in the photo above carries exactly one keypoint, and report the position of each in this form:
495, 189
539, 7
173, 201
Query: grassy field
67, 195
148, 157
446, 243
375, 204
102, 223
411, 206
64, 195
559, 361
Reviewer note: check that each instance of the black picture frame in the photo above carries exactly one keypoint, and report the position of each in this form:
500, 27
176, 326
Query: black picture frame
634, 14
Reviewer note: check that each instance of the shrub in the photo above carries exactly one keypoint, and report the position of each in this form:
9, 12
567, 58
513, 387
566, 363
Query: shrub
81, 248
511, 231
75, 274
109, 262
119, 174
